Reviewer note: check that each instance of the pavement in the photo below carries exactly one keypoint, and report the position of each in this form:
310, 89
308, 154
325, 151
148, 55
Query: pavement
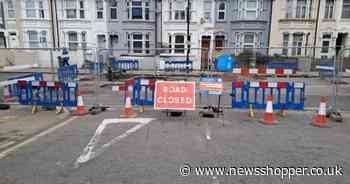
153, 152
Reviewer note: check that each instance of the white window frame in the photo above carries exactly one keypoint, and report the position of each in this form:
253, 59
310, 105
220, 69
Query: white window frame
73, 42
40, 38
113, 8
100, 10
83, 39
11, 9
285, 43
247, 44
145, 9
324, 49
221, 11
98, 42
41, 9
347, 4
111, 44
32, 9
79, 11
145, 40
247, 9
297, 49
329, 9
174, 11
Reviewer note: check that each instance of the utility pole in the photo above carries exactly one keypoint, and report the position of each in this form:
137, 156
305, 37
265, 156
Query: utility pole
188, 37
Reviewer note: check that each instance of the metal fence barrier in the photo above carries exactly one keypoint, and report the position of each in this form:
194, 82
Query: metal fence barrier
48, 93
125, 64
12, 88
286, 95
68, 73
178, 66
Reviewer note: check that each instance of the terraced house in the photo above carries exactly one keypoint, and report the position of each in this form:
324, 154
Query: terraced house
234, 24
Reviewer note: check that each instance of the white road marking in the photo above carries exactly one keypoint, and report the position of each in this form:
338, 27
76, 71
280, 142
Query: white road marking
89, 152
36, 137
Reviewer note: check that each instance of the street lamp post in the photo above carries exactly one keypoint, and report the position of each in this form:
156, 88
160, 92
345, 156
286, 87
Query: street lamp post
188, 37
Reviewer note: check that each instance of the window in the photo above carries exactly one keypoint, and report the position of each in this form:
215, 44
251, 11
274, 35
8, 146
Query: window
73, 8
248, 40
11, 10
170, 43
290, 8
41, 10
2, 40
30, 9
179, 44
328, 12
346, 9
221, 11
138, 10
251, 9
285, 44
301, 9
138, 43
326, 40
33, 39
177, 9
219, 41
99, 9
83, 40
113, 41
43, 39
73, 40
2, 21
81, 9
297, 44
101, 41
113, 9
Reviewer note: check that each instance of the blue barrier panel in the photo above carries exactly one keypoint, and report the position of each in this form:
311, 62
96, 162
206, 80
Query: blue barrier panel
143, 92
47, 93
285, 95
68, 73
178, 66
13, 88
239, 94
96, 67
326, 70
283, 65
125, 65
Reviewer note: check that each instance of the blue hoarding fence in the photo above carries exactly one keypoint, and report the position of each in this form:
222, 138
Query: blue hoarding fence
286, 95
326, 70
125, 65
12, 88
48, 93
68, 73
142, 90
178, 66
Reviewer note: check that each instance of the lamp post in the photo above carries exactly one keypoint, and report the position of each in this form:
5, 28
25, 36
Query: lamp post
188, 37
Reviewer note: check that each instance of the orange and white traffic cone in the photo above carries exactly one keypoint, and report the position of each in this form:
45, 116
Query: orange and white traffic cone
7, 97
80, 110
320, 120
268, 118
128, 111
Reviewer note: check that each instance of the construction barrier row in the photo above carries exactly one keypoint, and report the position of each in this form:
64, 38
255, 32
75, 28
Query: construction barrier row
286, 95
48, 93
178, 66
263, 70
11, 89
68, 73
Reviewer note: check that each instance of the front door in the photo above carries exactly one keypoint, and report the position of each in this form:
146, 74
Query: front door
205, 52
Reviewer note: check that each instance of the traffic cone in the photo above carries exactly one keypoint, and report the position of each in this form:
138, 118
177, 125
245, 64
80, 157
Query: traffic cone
80, 109
7, 97
128, 111
268, 118
320, 120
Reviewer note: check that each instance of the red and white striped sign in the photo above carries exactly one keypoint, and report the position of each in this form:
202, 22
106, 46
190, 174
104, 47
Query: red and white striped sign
271, 71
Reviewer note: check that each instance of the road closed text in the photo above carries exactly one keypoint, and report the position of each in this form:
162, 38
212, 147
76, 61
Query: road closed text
175, 95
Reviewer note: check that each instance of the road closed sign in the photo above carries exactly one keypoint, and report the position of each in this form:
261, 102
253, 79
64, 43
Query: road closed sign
175, 95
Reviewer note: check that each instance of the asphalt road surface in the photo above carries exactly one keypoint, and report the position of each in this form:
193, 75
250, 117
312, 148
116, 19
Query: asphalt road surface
154, 152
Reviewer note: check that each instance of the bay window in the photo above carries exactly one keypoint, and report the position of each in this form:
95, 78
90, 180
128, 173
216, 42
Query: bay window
138, 43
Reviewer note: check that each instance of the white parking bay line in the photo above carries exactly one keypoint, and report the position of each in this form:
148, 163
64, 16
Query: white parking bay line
35, 137
90, 152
